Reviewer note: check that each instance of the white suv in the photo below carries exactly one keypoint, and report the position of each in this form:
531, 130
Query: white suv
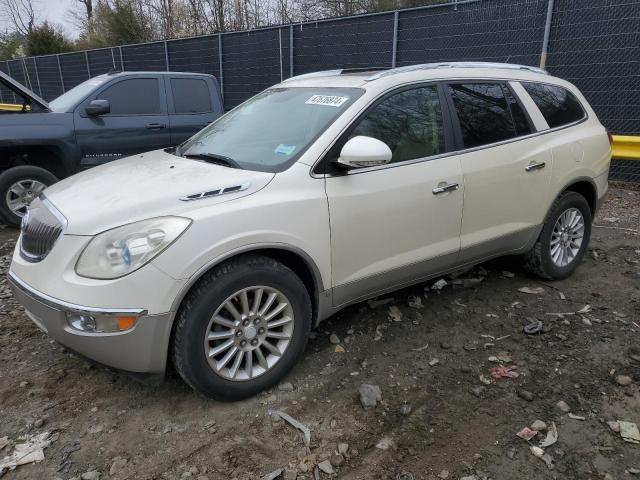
325, 190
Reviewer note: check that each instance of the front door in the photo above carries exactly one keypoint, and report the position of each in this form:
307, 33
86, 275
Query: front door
395, 224
138, 121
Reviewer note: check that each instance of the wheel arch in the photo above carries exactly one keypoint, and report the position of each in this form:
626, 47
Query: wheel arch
292, 257
37, 156
586, 187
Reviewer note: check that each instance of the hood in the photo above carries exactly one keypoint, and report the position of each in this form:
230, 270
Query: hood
22, 90
144, 186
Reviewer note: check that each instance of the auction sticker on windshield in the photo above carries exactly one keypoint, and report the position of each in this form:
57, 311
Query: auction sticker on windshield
329, 100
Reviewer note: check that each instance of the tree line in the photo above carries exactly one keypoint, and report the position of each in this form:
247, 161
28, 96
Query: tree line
105, 23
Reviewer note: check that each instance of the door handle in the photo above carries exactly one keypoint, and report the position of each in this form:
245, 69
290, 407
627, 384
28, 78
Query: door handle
535, 166
445, 188
155, 126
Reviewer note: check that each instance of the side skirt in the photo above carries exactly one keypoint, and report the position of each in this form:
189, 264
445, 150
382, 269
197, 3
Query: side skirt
331, 301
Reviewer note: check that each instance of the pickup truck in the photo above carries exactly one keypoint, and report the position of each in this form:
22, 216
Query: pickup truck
102, 119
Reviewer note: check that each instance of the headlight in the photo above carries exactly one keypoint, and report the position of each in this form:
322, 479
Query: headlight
123, 250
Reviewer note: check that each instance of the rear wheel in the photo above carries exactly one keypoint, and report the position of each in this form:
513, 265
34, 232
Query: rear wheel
18, 187
242, 328
564, 238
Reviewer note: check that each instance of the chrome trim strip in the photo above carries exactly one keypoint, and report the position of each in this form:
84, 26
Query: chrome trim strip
444, 154
66, 306
219, 191
53, 209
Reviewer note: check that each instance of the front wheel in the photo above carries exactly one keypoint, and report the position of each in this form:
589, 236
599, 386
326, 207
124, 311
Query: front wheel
18, 187
241, 328
564, 238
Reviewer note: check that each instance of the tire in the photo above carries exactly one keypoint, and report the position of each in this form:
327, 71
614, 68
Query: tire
195, 322
540, 260
37, 177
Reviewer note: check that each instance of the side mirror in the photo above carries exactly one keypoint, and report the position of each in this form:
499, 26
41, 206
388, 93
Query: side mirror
98, 107
361, 152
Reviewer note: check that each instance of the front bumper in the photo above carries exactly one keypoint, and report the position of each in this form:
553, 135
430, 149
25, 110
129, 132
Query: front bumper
143, 349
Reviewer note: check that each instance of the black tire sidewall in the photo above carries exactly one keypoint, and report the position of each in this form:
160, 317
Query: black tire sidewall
14, 175
197, 315
569, 200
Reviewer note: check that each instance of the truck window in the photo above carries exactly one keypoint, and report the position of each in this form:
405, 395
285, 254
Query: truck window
191, 95
135, 96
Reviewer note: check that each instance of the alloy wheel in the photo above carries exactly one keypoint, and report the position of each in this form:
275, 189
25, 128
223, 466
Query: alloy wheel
21, 194
249, 332
567, 237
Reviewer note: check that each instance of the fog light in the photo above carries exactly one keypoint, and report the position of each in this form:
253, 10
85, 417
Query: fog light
86, 323
101, 323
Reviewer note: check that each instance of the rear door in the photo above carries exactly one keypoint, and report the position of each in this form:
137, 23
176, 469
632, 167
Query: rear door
506, 168
138, 120
194, 102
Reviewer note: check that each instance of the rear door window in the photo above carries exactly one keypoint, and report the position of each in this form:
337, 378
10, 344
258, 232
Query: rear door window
484, 113
558, 105
191, 95
409, 122
520, 119
135, 96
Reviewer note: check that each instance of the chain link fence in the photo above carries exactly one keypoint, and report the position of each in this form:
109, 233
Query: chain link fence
592, 43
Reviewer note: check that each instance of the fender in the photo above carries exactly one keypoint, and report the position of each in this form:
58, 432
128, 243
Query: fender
319, 287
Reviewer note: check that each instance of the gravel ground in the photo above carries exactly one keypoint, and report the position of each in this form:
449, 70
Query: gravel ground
440, 413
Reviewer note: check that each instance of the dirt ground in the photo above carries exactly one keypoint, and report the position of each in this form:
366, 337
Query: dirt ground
436, 412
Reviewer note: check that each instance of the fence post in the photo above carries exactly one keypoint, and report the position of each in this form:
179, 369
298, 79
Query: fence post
121, 59
166, 55
221, 79
26, 74
291, 51
35, 67
394, 51
547, 33
113, 58
280, 48
86, 60
60, 73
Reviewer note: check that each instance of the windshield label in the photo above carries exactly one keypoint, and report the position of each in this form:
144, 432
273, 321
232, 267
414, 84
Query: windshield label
283, 149
329, 100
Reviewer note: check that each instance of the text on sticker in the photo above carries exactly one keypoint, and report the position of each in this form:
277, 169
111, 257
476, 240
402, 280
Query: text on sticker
329, 100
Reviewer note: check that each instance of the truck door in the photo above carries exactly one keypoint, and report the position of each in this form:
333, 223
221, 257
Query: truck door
194, 102
137, 121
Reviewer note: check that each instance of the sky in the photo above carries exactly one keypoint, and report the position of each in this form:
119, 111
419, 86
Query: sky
55, 11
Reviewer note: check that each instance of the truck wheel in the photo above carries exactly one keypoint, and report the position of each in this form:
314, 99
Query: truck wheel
18, 187
564, 239
241, 328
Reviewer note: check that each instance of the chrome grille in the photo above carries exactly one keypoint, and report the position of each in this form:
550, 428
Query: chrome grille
41, 227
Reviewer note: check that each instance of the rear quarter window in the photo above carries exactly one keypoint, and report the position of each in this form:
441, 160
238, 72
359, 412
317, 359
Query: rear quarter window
558, 105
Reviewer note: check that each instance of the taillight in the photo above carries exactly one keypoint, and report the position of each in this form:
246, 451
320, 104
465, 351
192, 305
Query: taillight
610, 138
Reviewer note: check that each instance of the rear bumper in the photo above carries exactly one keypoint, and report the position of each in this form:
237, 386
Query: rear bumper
143, 349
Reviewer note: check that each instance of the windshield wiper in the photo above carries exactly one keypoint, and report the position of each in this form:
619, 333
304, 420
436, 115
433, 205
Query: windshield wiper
214, 158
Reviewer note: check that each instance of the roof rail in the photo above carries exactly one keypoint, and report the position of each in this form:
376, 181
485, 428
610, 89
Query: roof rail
428, 66
339, 71
321, 73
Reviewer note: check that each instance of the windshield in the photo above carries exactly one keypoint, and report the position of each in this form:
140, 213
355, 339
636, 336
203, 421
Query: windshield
68, 101
270, 131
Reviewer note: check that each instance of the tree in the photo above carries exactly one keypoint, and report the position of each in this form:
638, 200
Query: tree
20, 14
45, 39
10, 45
120, 22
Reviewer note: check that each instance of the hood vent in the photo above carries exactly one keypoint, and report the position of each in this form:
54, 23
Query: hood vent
215, 192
